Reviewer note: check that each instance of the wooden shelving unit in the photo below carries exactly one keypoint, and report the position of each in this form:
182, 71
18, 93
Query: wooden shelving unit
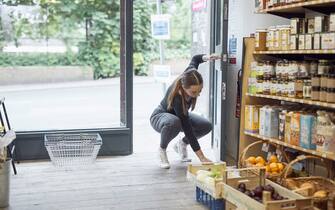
297, 52
295, 10
299, 9
301, 101
330, 156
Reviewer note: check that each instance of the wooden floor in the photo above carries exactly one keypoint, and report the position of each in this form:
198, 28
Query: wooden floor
129, 182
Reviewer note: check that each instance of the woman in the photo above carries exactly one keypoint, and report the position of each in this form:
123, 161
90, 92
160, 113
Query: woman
172, 115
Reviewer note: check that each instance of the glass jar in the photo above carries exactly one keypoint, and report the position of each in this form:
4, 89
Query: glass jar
323, 94
299, 88
323, 67
323, 81
266, 87
280, 87
304, 69
331, 95
274, 87
316, 93
284, 37
314, 67
260, 40
291, 89
331, 81
307, 89
285, 88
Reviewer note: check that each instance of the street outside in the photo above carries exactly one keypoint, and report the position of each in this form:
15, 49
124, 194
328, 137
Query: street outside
86, 104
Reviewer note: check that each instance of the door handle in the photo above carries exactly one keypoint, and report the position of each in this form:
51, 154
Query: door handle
223, 91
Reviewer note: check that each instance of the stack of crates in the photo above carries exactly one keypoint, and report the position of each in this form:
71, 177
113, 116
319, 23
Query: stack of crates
207, 200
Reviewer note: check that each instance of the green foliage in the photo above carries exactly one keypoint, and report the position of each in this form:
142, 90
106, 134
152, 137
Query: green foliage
94, 27
2, 38
39, 59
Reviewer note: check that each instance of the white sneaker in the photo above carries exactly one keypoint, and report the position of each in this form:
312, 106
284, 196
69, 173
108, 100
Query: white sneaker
181, 148
164, 162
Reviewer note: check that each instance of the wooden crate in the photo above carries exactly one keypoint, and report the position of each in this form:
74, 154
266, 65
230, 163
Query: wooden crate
213, 190
248, 176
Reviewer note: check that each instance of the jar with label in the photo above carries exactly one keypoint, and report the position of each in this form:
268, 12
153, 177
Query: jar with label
273, 89
298, 89
279, 69
331, 95
316, 93
276, 39
323, 94
291, 89
323, 67
314, 67
266, 87
280, 85
293, 70
259, 88
331, 81
307, 90
304, 69
323, 81
316, 80
285, 88
284, 37
260, 40
269, 37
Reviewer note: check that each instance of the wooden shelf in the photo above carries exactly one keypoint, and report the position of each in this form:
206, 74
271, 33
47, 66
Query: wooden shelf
330, 156
301, 101
297, 52
298, 9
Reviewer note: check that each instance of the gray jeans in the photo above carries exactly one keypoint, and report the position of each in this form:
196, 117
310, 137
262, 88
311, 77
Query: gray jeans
169, 126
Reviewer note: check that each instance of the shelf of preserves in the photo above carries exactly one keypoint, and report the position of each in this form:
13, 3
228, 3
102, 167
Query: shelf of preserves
295, 100
299, 52
295, 9
330, 156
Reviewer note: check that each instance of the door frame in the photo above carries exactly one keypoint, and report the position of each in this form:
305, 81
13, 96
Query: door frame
29, 145
223, 15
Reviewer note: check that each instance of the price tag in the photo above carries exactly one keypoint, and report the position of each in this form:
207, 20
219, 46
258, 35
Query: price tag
265, 147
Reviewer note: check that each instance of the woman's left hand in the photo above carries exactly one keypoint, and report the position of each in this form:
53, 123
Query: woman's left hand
211, 57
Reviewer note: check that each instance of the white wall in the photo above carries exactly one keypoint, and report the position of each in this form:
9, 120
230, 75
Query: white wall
242, 22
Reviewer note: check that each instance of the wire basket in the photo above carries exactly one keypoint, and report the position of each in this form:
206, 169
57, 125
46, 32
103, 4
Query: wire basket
72, 149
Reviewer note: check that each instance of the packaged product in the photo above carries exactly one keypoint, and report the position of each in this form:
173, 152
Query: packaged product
307, 129
272, 122
325, 132
252, 118
295, 129
288, 127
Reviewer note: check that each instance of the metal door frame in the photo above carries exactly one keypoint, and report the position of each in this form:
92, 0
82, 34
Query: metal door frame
224, 67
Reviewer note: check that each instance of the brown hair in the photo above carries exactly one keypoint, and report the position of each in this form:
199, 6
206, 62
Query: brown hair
185, 80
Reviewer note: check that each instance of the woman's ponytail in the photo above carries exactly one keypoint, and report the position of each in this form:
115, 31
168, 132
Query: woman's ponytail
177, 87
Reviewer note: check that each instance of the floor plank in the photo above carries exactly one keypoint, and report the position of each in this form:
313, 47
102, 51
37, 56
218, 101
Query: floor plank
127, 182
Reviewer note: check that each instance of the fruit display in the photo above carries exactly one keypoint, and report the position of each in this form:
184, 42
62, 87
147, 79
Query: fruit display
273, 166
257, 193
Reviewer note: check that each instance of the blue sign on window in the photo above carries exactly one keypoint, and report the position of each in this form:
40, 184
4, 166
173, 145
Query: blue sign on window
160, 28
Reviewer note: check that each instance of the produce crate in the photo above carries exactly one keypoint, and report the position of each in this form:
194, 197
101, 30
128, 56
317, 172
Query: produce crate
251, 179
72, 149
212, 188
207, 200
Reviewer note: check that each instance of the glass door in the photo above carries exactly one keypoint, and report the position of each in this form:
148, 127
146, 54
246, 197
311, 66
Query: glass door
219, 46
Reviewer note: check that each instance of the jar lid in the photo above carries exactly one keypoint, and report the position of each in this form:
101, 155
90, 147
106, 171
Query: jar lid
261, 30
324, 89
